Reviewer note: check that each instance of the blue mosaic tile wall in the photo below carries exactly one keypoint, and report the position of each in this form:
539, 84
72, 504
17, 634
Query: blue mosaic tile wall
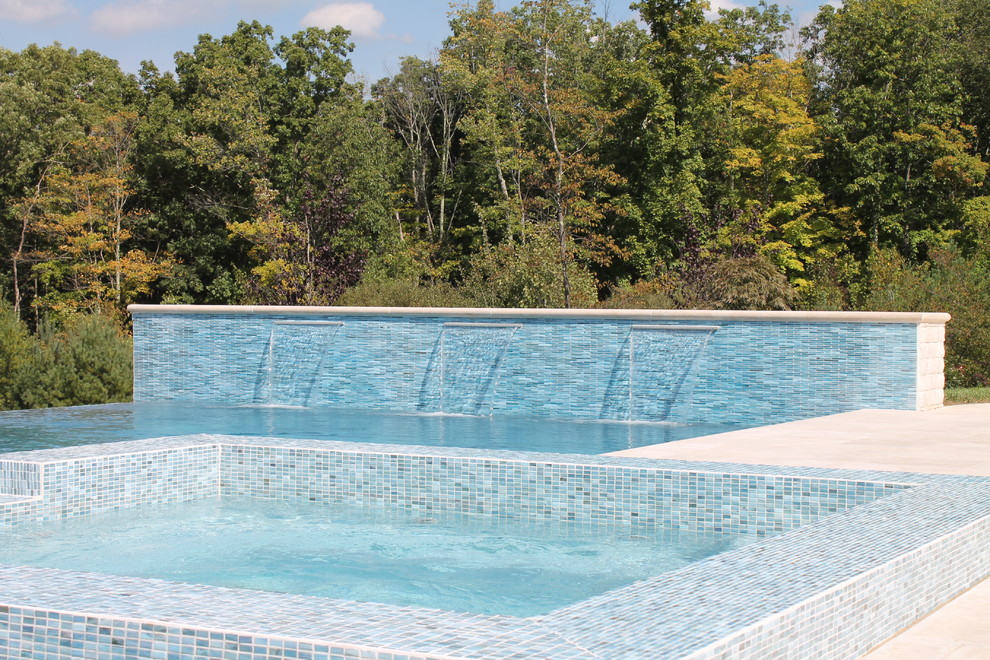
18, 478
106, 480
744, 371
586, 495
829, 588
36, 633
542, 491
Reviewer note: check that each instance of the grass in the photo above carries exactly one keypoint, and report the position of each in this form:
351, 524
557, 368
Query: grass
967, 395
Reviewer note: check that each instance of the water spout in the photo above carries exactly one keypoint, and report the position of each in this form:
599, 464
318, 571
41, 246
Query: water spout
661, 360
470, 360
296, 353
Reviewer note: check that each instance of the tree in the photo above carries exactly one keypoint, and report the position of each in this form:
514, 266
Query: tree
301, 259
679, 126
547, 73
348, 146
773, 144
50, 97
887, 95
498, 163
973, 55
224, 140
85, 258
423, 105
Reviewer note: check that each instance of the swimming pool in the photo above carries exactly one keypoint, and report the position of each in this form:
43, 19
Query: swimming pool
832, 547
838, 547
26, 430
457, 562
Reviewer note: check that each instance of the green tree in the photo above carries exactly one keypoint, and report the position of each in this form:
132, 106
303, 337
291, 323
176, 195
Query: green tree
223, 142
348, 140
773, 144
542, 56
973, 55
499, 163
679, 122
897, 160
51, 97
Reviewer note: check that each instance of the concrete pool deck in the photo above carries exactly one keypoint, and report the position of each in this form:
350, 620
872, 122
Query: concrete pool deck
950, 440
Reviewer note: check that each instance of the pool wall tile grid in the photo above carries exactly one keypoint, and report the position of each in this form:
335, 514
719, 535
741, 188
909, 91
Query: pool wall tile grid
864, 610
69, 482
113, 482
539, 491
20, 479
831, 588
58, 635
749, 371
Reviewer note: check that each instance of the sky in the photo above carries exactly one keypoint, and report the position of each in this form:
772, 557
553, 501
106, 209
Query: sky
130, 31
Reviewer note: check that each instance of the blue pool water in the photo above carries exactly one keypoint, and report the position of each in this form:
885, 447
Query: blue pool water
61, 427
455, 563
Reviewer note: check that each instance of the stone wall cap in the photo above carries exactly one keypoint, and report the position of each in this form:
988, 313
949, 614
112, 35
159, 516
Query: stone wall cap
581, 314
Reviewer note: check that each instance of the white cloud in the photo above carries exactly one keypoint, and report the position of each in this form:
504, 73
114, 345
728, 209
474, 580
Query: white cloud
34, 11
126, 17
722, 4
361, 18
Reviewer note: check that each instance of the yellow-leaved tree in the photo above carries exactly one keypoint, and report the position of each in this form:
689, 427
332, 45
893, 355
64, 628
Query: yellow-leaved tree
84, 258
774, 143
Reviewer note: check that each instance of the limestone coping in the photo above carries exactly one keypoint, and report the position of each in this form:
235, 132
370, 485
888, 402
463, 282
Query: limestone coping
599, 314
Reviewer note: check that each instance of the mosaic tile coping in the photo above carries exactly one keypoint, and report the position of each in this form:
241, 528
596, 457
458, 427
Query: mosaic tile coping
832, 588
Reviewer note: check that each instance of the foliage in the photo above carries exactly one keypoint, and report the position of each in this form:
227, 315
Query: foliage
773, 142
404, 293
84, 256
540, 126
748, 283
16, 346
644, 294
224, 141
51, 97
87, 362
545, 156
528, 275
951, 283
972, 52
897, 157
91, 361
301, 260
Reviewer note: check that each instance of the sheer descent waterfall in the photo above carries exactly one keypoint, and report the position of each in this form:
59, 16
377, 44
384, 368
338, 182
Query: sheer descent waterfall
470, 358
661, 360
296, 352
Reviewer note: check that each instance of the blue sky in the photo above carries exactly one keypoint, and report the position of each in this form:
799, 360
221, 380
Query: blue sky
134, 30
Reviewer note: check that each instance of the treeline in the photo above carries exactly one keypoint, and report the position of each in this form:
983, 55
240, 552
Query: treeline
545, 157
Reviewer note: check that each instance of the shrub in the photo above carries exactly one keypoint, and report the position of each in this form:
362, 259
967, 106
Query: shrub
529, 275
645, 294
748, 283
87, 362
16, 358
404, 293
93, 363
950, 282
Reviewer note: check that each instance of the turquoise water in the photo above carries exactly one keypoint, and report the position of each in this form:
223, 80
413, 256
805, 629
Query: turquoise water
61, 427
457, 563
